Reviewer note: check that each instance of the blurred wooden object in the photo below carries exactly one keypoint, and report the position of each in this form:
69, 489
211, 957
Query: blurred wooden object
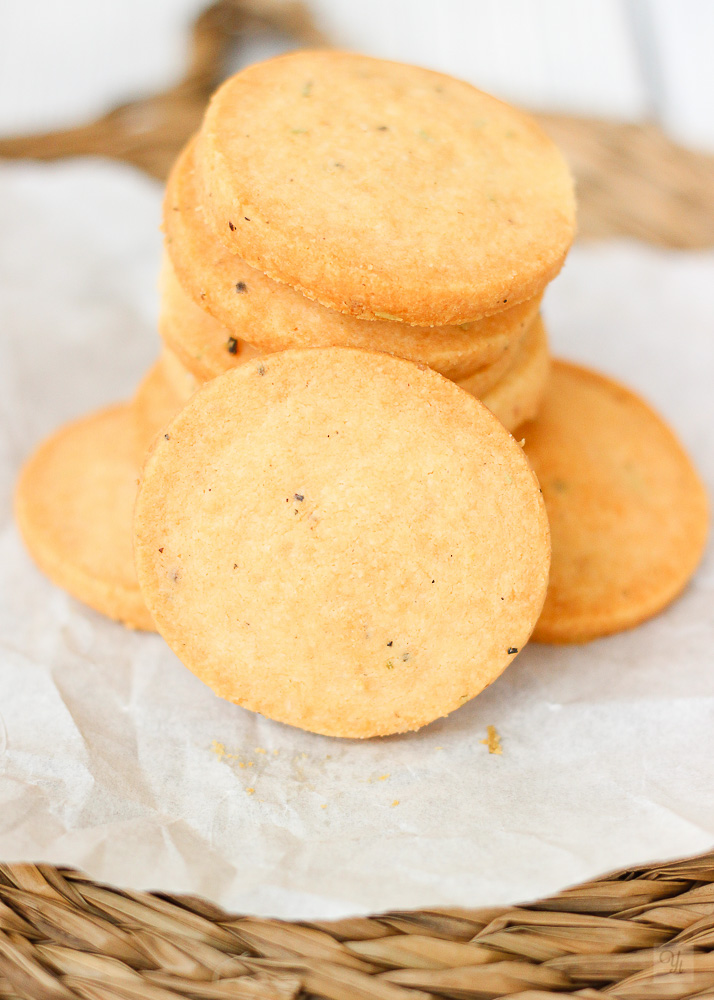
632, 180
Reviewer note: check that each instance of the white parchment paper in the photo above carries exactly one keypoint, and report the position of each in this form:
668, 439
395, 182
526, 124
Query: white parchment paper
115, 759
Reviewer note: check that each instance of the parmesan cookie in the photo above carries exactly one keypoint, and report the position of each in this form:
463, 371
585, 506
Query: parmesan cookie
342, 541
517, 396
627, 509
380, 189
251, 307
165, 388
204, 347
74, 506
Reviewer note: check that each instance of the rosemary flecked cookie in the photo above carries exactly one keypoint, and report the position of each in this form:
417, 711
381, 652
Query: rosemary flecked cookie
381, 189
517, 395
627, 510
343, 541
251, 307
74, 504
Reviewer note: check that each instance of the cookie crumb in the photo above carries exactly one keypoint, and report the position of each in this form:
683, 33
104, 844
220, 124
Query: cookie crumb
493, 740
218, 749
395, 803
250, 791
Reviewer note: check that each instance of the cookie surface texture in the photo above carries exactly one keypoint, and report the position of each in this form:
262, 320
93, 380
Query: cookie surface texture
74, 505
251, 307
378, 188
341, 541
627, 510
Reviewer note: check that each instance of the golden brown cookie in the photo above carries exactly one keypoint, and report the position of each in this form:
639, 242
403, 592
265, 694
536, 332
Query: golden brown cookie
253, 308
74, 504
517, 396
380, 189
627, 510
162, 392
197, 340
342, 541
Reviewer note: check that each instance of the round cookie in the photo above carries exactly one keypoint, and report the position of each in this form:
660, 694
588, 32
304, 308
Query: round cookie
628, 512
273, 317
378, 188
74, 504
342, 541
203, 347
517, 396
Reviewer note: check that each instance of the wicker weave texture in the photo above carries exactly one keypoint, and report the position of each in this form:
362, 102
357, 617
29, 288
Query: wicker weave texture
639, 934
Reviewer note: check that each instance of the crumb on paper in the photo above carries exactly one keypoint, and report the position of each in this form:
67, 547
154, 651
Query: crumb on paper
218, 749
395, 803
260, 750
250, 791
382, 777
275, 753
493, 740
323, 806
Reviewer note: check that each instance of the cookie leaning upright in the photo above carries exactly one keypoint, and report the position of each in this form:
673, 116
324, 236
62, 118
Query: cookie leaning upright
383, 190
340, 540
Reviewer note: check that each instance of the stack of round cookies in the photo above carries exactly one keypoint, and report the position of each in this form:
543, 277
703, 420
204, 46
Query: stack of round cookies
335, 526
